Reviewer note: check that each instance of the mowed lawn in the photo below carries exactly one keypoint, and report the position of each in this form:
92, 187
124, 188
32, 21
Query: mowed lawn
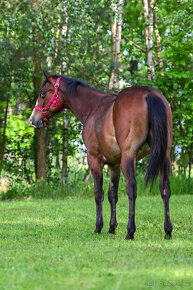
49, 244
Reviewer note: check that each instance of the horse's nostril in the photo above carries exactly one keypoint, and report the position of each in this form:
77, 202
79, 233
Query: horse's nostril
39, 123
36, 122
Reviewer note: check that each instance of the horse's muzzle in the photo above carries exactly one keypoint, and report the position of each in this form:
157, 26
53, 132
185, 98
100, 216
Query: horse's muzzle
36, 122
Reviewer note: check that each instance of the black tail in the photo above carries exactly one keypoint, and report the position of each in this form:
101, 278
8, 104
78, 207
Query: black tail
157, 137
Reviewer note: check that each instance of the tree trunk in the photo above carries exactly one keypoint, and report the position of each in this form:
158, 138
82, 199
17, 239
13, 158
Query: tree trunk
2, 147
65, 150
179, 165
40, 162
40, 134
116, 29
158, 43
145, 16
113, 72
148, 8
64, 32
189, 163
57, 160
41, 153
184, 160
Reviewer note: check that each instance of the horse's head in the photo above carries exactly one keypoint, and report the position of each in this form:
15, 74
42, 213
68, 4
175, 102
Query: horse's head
49, 102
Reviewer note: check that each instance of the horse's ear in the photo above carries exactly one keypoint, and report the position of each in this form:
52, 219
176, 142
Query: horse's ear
47, 74
49, 77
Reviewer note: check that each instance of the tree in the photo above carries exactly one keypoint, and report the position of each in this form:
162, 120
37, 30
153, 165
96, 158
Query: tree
148, 11
116, 28
34, 39
3, 125
40, 135
158, 43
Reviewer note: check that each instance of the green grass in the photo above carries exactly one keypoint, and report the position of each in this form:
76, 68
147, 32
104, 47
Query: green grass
49, 244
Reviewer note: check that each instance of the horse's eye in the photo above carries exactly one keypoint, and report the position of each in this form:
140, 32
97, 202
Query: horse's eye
42, 94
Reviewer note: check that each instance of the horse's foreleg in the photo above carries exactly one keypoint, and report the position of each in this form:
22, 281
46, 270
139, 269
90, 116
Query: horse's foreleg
96, 170
128, 167
165, 193
113, 196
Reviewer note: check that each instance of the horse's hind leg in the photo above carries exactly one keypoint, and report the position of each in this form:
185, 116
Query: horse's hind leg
165, 193
96, 170
113, 196
128, 167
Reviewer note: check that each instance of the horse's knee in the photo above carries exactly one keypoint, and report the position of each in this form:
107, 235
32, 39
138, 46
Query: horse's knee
132, 189
112, 195
99, 196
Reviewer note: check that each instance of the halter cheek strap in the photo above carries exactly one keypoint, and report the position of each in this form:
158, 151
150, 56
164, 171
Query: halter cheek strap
55, 100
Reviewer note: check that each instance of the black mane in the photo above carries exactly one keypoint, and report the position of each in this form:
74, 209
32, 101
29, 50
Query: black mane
72, 84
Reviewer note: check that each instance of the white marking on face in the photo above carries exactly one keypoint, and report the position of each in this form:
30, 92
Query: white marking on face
164, 192
32, 114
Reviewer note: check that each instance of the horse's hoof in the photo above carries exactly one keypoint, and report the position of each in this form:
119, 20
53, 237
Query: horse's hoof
129, 236
111, 231
97, 231
168, 235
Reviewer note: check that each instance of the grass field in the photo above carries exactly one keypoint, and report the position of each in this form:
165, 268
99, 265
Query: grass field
49, 244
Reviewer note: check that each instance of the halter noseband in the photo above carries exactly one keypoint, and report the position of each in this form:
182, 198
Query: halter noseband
53, 100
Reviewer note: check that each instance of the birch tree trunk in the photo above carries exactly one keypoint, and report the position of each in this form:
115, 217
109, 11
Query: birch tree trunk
145, 16
148, 9
158, 44
113, 35
64, 32
116, 29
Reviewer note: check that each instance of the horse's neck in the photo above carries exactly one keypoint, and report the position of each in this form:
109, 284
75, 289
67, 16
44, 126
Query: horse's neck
84, 102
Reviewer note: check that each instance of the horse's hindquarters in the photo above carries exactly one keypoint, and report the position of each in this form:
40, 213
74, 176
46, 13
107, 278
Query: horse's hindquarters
131, 120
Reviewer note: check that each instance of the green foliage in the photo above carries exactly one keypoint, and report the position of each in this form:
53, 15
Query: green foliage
19, 149
54, 189
85, 47
19, 136
50, 245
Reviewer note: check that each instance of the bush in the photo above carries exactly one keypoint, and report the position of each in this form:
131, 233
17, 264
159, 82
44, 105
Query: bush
77, 187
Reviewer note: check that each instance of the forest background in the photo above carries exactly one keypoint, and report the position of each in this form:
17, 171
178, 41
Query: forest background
109, 44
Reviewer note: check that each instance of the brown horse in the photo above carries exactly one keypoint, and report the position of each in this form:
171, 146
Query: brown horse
117, 130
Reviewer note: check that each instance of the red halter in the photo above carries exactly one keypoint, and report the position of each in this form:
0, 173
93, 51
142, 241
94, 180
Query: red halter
53, 100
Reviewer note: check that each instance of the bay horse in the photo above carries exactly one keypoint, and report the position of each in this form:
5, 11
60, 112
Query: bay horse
117, 130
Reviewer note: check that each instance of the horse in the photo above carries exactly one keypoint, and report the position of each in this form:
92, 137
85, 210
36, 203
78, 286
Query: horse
117, 131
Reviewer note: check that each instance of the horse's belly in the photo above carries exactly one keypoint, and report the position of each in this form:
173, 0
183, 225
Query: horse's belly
112, 152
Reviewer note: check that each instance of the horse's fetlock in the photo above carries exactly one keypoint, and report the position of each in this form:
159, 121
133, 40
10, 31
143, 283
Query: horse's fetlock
132, 195
168, 226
